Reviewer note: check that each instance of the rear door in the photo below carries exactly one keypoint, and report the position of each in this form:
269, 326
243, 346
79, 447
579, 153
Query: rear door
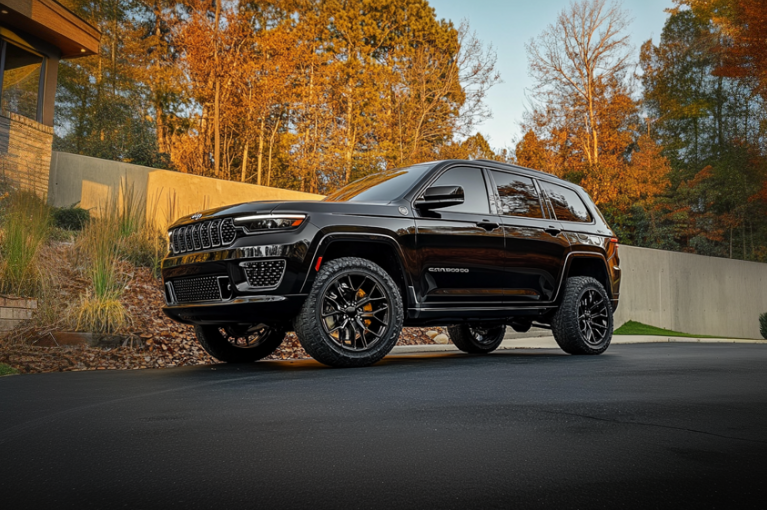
536, 247
578, 223
461, 248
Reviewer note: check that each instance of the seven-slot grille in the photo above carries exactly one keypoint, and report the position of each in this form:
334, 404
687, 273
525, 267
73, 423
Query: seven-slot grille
264, 274
190, 290
201, 236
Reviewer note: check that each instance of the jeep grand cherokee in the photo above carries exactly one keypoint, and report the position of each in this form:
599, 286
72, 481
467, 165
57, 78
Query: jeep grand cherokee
472, 245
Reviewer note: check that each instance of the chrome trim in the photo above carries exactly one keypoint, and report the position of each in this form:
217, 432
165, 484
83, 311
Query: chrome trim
259, 252
171, 293
237, 301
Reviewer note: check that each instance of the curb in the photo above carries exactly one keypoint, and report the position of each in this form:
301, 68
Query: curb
548, 342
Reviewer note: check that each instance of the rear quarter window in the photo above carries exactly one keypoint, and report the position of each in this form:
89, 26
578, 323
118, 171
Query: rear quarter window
567, 205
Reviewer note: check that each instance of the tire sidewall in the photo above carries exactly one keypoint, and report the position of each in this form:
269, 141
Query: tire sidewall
220, 348
383, 344
312, 334
565, 325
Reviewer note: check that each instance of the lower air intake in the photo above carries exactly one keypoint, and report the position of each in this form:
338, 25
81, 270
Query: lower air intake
191, 290
264, 274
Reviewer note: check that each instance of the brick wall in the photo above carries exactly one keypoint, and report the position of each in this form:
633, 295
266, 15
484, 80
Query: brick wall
15, 310
25, 152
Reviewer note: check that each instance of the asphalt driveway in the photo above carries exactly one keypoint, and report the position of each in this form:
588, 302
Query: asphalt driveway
642, 426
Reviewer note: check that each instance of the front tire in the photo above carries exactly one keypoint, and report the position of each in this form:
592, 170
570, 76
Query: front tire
583, 324
240, 344
476, 339
352, 316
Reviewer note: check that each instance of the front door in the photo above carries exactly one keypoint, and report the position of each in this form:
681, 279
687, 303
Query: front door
536, 247
461, 248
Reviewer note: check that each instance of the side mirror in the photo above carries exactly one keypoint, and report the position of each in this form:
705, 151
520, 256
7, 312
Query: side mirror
437, 197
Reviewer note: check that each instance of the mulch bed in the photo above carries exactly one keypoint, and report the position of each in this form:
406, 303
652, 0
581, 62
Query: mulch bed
152, 339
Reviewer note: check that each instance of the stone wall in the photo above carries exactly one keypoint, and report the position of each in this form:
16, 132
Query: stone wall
25, 152
15, 310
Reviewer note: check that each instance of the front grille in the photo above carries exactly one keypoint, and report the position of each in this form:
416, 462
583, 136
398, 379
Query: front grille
190, 290
196, 237
264, 273
176, 243
203, 235
188, 238
228, 233
215, 233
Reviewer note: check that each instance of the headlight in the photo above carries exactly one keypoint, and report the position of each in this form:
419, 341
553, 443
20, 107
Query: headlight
269, 222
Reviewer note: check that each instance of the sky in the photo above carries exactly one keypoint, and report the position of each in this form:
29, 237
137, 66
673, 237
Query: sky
508, 25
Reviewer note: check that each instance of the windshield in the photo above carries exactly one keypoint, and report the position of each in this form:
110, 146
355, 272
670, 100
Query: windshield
381, 187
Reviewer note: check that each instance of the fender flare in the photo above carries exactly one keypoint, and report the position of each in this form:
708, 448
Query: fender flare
328, 239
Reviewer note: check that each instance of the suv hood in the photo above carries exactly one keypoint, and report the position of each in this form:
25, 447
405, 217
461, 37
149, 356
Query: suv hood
272, 206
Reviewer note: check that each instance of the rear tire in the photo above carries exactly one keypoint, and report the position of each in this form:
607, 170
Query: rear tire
583, 324
476, 339
239, 344
353, 314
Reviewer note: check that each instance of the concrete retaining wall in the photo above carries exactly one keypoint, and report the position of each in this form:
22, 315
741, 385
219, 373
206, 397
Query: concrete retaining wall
90, 182
692, 293
678, 291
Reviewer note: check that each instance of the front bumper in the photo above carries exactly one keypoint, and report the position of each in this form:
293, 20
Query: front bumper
240, 310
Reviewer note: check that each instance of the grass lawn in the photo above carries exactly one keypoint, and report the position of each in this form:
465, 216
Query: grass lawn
637, 328
6, 370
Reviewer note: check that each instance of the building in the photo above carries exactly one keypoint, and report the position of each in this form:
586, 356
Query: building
34, 36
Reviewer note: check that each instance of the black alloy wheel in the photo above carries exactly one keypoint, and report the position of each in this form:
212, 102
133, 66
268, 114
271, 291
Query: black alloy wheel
592, 317
583, 324
355, 311
240, 344
353, 314
476, 339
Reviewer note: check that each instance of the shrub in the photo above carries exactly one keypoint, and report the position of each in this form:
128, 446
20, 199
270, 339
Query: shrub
71, 218
25, 221
101, 314
763, 325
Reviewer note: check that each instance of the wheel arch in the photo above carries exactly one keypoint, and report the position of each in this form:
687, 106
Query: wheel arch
380, 249
589, 264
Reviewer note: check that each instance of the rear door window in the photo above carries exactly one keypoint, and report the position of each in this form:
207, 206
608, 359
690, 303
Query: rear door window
567, 205
518, 195
475, 192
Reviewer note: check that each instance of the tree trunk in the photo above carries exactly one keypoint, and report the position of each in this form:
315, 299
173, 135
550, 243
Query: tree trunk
244, 163
260, 150
216, 112
271, 146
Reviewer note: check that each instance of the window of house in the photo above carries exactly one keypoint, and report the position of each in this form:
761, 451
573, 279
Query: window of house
568, 206
21, 81
518, 195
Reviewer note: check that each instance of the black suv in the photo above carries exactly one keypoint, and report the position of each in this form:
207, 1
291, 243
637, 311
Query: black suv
472, 245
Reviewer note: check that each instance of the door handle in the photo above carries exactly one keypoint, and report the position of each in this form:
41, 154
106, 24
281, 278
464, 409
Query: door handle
488, 225
553, 230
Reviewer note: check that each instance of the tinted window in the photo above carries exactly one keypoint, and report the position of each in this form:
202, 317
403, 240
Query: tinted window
475, 192
518, 195
380, 187
568, 206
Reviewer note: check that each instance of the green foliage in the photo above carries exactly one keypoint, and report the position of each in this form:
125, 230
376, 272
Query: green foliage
637, 328
70, 218
25, 220
763, 325
6, 370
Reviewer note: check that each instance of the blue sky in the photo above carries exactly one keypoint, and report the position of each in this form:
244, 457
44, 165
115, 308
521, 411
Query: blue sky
508, 25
